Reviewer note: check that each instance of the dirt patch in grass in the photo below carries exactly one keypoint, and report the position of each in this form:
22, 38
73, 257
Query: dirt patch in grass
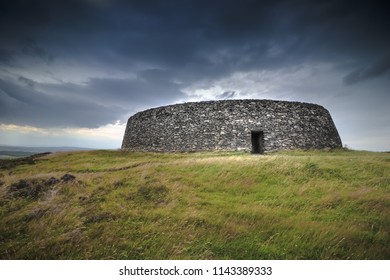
35, 188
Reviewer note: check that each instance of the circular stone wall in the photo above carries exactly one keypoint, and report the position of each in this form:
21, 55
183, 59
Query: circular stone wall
250, 125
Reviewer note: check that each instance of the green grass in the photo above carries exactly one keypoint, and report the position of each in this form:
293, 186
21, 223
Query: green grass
123, 205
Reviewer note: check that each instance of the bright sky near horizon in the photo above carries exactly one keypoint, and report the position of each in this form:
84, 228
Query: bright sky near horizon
72, 72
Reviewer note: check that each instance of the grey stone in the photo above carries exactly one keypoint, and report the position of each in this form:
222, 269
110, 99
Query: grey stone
229, 125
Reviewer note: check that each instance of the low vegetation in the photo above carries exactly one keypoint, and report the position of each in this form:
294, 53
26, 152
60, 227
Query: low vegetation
123, 205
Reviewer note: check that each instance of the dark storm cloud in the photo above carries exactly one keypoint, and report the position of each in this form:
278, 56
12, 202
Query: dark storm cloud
376, 70
21, 104
30, 48
98, 102
5, 56
175, 33
165, 46
126, 93
27, 81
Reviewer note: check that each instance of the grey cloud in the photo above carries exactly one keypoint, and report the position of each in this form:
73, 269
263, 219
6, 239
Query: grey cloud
365, 73
27, 81
98, 102
23, 105
133, 91
190, 35
6, 56
150, 87
33, 50
19, 93
227, 95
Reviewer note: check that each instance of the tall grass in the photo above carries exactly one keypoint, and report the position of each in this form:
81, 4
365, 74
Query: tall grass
122, 205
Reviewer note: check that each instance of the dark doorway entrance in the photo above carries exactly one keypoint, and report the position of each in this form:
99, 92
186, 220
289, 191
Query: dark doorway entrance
257, 137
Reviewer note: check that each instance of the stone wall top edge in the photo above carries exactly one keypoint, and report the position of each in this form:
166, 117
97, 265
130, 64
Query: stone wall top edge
232, 101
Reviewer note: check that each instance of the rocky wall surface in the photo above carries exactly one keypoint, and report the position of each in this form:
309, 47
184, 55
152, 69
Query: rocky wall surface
229, 125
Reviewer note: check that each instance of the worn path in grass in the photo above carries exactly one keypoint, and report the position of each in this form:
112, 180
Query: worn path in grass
119, 205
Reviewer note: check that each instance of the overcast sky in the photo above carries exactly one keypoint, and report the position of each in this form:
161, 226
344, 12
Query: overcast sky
72, 72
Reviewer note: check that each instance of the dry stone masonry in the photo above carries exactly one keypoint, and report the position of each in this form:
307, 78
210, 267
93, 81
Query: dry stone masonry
229, 125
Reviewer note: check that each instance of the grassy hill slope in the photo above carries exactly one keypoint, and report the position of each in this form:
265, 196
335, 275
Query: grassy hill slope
122, 205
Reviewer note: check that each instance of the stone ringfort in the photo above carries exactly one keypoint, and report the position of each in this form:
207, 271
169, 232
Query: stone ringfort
257, 126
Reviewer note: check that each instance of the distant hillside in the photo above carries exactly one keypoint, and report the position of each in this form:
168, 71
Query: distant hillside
21, 151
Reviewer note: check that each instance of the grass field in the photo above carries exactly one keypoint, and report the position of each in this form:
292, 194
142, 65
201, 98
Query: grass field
123, 205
